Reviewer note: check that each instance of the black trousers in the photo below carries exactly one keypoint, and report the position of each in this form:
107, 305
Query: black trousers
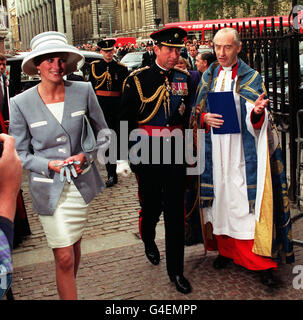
111, 170
110, 107
161, 188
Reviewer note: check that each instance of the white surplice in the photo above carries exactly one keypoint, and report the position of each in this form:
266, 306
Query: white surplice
229, 213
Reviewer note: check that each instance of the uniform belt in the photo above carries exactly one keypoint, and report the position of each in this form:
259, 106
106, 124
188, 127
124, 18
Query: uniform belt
161, 131
104, 93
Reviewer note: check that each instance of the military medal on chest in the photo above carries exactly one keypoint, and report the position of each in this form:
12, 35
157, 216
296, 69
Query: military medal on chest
179, 88
182, 107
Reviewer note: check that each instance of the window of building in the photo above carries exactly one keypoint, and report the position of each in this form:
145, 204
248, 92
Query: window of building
173, 9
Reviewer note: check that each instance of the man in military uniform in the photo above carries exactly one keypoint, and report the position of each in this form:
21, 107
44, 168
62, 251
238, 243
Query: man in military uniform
155, 99
149, 56
107, 77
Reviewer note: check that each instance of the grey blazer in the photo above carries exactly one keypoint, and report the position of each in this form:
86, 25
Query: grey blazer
39, 138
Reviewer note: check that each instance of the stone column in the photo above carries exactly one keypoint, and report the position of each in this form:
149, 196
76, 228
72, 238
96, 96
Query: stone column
41, 18
29, 23
143, 18
136, 14
23, 31
36, 19
95, 19
129, 23
165, 11
81, 31
45, 19
139, 13
59, 15
123, 18
68, 22
183, 10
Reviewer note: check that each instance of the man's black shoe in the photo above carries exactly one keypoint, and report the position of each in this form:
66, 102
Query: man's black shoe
268, 279
111, 181
221, 262
182, 284
152, 254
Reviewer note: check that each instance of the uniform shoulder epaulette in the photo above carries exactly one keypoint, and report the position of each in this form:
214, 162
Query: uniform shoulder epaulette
181, 70
95, 61
135, 72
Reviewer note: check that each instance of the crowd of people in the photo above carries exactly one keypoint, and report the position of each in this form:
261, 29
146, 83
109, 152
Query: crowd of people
56, 123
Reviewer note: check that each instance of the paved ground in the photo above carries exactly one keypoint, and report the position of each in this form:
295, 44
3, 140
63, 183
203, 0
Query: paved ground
114, 266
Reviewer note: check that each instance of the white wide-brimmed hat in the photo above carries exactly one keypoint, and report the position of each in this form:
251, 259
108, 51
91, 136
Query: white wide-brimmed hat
52, 42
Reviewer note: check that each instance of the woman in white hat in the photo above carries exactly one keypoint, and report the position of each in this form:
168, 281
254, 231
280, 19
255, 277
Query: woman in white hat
46, 122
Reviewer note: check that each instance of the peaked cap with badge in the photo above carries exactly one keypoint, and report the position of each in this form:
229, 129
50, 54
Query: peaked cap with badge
149, 44
171, 37
106, 44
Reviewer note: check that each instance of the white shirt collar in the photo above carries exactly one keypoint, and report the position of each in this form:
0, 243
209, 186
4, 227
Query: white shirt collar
160, 67
227, 68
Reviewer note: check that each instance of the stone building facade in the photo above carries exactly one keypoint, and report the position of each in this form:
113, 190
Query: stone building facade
95, 19
3, 24
37, 16
92, 19
138, 18
85, 21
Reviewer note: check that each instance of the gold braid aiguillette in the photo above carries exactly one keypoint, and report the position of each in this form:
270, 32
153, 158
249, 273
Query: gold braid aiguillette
101, 79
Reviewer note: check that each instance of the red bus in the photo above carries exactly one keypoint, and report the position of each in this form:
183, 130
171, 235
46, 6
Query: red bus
203, 30
124, 41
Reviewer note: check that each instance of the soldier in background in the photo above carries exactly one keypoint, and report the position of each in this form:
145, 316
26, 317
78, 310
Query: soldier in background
107, 77
149, 56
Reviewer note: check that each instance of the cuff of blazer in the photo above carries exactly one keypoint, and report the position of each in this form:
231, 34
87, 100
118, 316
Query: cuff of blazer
41, 167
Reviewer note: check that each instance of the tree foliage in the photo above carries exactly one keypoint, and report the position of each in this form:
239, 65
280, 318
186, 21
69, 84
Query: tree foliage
225, 9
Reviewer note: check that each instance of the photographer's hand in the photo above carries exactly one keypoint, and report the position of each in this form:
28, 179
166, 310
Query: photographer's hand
10, 177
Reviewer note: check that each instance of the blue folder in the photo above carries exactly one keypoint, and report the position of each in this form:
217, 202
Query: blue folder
224, 103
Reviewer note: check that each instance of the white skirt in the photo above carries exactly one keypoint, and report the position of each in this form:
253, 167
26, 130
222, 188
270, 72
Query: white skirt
65, 227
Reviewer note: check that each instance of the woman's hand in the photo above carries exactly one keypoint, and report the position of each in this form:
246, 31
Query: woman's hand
81, 158
56, 165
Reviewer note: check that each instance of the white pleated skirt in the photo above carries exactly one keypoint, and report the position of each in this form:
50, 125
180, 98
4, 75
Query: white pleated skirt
65, 227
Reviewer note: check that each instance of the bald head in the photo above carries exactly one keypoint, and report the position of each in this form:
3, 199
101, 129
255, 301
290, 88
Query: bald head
227, 46
228, 31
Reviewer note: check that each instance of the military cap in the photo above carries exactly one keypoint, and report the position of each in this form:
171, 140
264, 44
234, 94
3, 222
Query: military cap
106, 44
149, 44
171, 37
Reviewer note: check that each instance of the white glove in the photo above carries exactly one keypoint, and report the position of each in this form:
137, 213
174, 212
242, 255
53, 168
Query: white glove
123, 168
